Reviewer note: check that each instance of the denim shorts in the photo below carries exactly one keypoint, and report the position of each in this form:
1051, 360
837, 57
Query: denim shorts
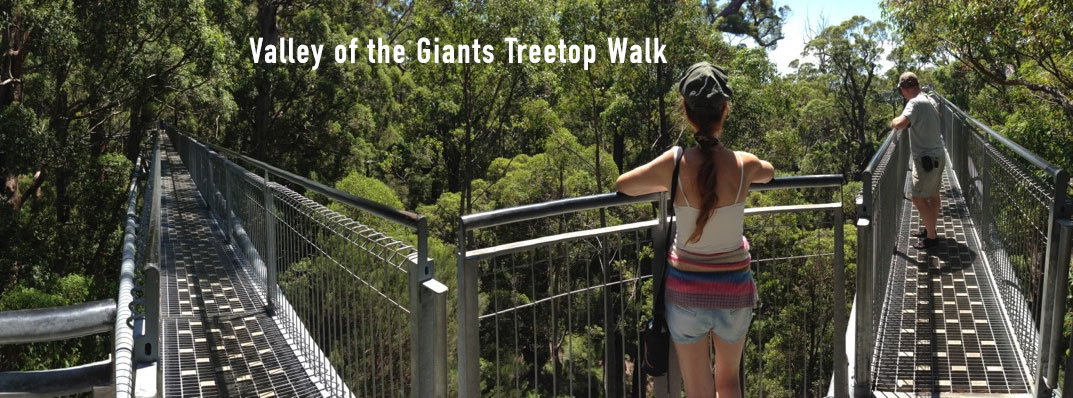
689, 325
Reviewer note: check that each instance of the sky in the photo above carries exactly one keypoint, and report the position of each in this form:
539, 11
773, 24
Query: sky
804, 13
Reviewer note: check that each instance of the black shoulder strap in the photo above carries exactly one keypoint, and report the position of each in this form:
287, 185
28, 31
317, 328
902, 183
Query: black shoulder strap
657, 304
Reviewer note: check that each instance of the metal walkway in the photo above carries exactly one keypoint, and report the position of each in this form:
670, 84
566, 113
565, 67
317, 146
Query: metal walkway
943, 329
217, 340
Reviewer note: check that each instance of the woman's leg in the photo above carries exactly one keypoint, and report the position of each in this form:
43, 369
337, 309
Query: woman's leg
727, 364
696, 368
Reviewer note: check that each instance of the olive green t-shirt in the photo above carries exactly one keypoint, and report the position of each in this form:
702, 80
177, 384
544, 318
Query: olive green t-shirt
925, 138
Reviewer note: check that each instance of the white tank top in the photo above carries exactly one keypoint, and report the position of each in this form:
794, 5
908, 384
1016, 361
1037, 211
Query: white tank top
722, 232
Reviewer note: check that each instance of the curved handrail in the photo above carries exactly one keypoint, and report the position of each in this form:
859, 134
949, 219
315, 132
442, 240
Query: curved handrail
57, 323
878, 156
545, 209
570, 205
402, 217
123, 352
56, 382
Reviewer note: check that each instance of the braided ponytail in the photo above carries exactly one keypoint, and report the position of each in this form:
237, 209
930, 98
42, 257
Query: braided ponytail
708, 123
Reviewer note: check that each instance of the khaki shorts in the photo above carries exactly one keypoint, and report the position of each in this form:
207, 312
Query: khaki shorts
927, 183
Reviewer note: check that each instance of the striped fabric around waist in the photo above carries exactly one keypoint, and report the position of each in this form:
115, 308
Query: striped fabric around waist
711, 280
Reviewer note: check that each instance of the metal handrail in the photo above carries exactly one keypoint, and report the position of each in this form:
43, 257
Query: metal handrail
57, 323
878, 156
402, 217
1036, 160
56, 382
123, 352
571, 205
552, 208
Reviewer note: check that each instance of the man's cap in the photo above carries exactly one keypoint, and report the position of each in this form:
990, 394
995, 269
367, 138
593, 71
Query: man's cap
705, 86
907, 80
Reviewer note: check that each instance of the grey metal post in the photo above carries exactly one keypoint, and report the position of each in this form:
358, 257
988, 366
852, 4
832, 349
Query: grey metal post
662, 384
469, 376
270, 247
985, 189
428, 318
226, 217
1065, 241
147, 344
1048, 323
865, 280
841, 381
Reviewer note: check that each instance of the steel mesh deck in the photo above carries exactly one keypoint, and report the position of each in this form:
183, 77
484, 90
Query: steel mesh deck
217, 340
943, 329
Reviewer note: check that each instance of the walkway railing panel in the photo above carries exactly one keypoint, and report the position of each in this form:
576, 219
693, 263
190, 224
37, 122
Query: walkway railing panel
797, 252
1018, 201
355, 301
879, 211
559, 314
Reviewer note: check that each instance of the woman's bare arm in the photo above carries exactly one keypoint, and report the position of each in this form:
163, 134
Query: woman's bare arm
654, 176
758, 171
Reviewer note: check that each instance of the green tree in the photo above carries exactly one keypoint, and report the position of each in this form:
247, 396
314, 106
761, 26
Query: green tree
849, 54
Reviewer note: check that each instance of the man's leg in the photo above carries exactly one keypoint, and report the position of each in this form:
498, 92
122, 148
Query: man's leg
927, 214
935, 204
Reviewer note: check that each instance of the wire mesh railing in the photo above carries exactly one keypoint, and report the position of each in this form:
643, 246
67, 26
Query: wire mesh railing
797, 259
559, 315
353, 299
879, 211
1018, 201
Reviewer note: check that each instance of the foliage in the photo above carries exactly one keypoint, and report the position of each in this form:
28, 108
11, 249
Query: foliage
1026, 43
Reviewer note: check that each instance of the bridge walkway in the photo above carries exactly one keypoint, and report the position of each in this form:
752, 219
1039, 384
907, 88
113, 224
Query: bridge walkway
944, 330
216, 338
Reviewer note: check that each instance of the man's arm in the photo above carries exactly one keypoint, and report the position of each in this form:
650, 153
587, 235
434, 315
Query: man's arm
900, 123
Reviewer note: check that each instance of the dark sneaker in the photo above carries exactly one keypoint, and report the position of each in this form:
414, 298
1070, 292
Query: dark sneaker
926, 243
922, 233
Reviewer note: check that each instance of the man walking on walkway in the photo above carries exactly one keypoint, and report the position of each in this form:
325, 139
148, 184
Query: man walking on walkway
921, 116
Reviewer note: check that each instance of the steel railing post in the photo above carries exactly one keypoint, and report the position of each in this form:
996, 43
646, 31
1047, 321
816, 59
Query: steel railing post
270, 247
226, 217
985, 190
865, 285
147, 343
428, 348
1049, 319
841, 382
670, 382
1064, 243
469, 376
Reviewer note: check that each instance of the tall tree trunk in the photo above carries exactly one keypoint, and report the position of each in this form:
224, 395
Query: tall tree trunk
619, 150
266, 27
13, 50
98, 143
661, 85
60, 124
12, 54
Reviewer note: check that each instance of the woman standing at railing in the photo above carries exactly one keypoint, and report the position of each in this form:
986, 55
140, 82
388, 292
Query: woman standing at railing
709, 287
